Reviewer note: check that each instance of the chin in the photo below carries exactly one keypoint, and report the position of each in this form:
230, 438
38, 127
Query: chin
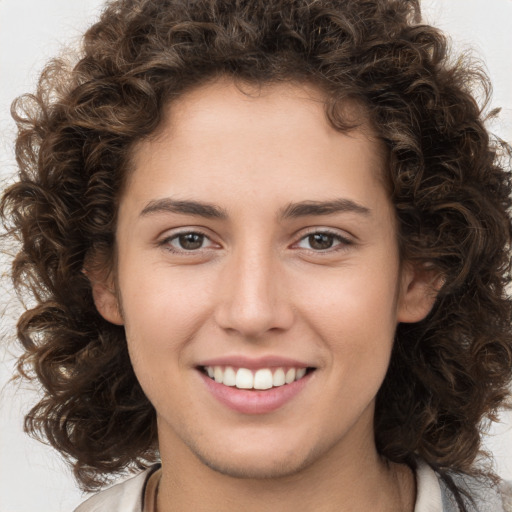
253, 471
257, 466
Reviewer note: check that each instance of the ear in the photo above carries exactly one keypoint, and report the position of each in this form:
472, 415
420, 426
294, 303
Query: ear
419, 288
104, 295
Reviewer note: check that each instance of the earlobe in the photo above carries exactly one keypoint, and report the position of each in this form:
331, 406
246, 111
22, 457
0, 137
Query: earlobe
104, 296
418, 293
107, 303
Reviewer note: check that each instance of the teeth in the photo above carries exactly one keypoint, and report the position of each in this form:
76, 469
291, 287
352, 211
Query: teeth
264, 378
290, 376
278, 379
229, 377
218, 374
244, 379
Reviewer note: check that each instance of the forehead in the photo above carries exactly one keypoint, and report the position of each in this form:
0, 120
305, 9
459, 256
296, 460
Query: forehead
222, 100
247, 135
201, 105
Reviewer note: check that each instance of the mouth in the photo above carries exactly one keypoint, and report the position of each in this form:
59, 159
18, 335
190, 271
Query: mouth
258, 379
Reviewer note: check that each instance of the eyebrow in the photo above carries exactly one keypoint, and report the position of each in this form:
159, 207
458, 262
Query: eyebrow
168, 205
291, 211
312, 208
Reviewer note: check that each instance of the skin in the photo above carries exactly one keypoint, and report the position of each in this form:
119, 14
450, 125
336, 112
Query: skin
257, 287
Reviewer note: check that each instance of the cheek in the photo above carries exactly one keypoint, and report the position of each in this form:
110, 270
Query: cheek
160, 320
359, 299
354, 317
160, 296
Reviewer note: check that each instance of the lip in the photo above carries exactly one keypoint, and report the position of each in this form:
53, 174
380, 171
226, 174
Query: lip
255, 363
254, 401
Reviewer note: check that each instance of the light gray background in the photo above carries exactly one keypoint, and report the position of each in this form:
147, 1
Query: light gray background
32, 477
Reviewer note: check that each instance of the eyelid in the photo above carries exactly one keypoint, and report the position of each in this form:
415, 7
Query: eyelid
168, 236
344, 239
164, 240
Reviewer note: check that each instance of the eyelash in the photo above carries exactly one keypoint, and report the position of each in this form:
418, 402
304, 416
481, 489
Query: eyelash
166, 242
342, 245
343, 242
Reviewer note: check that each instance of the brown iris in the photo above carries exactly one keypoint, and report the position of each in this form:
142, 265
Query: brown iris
191, 241
320, 241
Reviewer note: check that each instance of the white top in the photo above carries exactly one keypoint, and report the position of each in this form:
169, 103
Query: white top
428, 490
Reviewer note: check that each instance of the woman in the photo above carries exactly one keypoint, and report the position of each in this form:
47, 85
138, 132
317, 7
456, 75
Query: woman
268, 243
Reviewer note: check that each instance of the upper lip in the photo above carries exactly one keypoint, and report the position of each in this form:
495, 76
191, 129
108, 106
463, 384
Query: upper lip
255, 363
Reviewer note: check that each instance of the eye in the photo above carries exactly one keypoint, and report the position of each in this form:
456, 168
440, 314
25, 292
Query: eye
322, 241
189, 241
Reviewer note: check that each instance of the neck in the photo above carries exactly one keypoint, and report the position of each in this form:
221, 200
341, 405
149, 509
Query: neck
335, 482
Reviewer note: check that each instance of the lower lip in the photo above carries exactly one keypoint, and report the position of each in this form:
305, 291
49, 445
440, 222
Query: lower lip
255, 401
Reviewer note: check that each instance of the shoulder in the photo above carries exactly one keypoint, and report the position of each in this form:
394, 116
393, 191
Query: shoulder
126, 496
506, 493
478, 494
437, 492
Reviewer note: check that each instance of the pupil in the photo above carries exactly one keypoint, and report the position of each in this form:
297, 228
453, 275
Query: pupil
320, 241
191, 241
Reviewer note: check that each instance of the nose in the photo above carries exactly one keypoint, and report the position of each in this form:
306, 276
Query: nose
253, 298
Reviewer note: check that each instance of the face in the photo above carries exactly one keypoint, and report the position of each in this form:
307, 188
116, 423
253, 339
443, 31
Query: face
259, 280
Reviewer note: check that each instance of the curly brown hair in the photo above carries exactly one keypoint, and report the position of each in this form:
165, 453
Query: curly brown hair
448, 181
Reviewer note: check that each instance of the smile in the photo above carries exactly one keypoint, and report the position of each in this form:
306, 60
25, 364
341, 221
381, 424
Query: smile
261, 379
